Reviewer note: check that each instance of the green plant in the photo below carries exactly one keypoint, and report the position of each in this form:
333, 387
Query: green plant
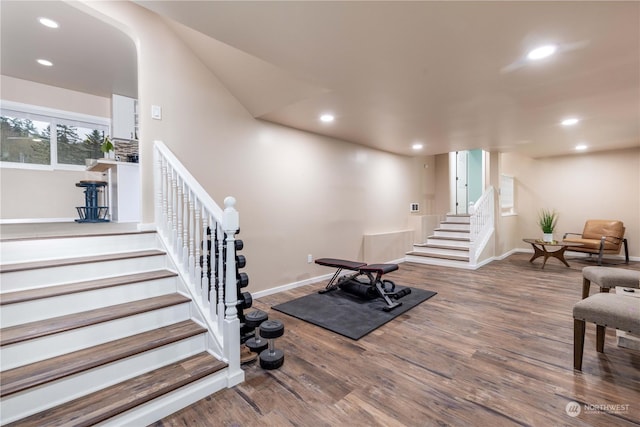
107, 145
547, 220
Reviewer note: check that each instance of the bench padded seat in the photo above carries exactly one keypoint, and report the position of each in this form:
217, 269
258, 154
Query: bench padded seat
610, 310
607, 277
379, 268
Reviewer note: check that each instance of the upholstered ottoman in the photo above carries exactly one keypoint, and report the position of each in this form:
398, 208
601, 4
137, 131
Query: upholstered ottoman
608, 277
605, 310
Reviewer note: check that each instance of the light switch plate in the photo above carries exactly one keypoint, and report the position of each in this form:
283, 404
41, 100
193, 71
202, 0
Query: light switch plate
156, 112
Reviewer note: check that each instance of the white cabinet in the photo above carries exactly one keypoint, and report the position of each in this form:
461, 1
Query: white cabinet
124, 189
124, 117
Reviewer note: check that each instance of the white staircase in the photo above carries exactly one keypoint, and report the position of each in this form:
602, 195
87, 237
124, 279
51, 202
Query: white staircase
449, 245
460, 240
99, 329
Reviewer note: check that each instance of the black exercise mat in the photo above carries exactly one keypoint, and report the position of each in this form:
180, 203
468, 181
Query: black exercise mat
346, 314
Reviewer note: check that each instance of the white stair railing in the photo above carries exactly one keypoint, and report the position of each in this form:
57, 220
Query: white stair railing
482, 224
197, 233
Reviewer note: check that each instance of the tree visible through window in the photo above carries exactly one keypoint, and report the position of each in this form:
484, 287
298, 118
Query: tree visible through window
25, 140
75, 144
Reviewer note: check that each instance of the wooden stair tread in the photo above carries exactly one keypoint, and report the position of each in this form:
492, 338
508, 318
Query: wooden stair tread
32, 265
34, 374
27, 331
450, 257
78, 235
111, 401
89, 285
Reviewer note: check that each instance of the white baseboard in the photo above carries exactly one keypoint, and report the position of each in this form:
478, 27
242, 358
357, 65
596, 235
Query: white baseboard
289, 286
147, 226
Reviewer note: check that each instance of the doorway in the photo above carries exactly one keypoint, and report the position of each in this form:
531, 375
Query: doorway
467, 179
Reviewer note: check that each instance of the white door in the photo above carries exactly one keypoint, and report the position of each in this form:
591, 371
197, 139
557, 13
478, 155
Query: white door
462, 185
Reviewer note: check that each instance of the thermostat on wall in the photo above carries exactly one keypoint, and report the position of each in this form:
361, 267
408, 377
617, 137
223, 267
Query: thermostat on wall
414, 207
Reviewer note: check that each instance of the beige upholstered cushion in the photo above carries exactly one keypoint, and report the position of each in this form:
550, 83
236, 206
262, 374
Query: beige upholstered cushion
607, 277
610, 310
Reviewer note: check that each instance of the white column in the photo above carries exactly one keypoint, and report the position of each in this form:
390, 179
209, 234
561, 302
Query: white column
230, 225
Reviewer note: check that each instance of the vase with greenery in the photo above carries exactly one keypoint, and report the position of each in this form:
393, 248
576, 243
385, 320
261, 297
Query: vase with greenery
107, 147
547, 221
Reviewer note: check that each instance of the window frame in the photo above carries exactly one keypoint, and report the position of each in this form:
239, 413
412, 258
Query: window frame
54, 117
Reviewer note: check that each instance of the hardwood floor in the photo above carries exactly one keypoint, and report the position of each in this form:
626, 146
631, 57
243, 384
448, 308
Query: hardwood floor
493, 348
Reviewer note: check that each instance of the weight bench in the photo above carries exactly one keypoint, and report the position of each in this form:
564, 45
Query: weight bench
366, 281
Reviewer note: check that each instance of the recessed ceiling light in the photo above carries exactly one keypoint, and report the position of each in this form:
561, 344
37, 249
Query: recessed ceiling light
327, 118
48, 22
541, 52
581, 147
45, 62
417, 146
569, 122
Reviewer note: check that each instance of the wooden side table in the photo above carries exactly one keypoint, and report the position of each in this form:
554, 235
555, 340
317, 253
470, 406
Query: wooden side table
540, 249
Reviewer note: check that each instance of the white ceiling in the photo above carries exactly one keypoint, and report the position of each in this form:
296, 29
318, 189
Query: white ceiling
88, 55
450, 75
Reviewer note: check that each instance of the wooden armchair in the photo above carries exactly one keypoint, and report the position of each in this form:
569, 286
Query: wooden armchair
600, 236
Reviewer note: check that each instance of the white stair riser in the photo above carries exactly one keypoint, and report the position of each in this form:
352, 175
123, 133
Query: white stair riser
48, 395
456, 243
438, 261
46, 308
455, 234
463, 219
441, 251
36, 278
451, 226
67, 247
38, 349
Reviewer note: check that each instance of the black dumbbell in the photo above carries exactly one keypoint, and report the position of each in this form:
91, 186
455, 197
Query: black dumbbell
253, 321
271, 358
244, 301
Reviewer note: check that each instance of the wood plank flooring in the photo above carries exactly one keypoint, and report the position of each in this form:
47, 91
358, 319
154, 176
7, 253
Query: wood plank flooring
493, 348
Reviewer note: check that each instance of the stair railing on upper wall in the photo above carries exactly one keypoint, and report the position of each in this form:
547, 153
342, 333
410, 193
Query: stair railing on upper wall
482, 224
201, 240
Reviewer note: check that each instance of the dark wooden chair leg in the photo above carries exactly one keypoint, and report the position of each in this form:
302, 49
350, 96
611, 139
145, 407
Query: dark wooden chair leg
586, 284
600, 333
626, 251
578, 343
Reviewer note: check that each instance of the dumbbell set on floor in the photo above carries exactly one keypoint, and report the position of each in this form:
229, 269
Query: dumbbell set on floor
265, 333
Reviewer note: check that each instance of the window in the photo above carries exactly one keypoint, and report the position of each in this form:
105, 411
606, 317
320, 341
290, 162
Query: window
507, 200
75, 144
25, 141
40, 138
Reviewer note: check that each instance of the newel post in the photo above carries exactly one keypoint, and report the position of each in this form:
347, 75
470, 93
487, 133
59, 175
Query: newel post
230, 225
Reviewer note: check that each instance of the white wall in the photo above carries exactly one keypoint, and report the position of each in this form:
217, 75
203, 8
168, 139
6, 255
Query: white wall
599, 185
45, 195
298, 193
